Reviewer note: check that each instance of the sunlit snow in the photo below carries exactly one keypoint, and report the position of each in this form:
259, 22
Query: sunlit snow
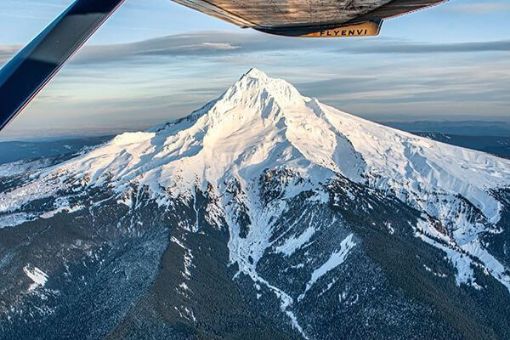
38, 277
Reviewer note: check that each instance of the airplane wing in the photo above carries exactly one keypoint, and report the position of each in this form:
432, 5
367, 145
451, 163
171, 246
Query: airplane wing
309, 18
34, 66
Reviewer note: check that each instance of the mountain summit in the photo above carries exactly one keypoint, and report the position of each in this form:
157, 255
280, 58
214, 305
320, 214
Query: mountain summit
264, 213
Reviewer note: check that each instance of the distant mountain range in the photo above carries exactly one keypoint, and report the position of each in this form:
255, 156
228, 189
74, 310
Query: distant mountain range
30, 150
459, 128
264, 214
496, 145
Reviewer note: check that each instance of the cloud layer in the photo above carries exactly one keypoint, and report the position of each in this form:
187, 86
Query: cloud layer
214, 44
116, 87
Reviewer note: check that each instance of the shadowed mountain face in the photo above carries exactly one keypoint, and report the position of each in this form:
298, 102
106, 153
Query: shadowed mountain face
265, 214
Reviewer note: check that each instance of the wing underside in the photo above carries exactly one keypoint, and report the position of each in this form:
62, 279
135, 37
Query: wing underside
310, 18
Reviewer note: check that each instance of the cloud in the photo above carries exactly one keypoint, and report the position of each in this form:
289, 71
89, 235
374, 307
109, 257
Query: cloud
204, 44
6, 52
482, 8
214, 44
218, 44
406, 48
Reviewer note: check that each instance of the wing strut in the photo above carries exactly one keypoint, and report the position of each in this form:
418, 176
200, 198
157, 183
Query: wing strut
34, 66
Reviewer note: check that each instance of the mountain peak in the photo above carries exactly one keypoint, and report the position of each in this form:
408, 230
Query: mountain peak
256, 73
256, 88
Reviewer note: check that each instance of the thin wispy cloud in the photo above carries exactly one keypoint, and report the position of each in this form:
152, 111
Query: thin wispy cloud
6, 52
482, 8
406, 48
215, 44
227, 43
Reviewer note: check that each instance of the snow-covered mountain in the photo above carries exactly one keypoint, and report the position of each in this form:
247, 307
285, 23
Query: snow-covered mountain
264, 213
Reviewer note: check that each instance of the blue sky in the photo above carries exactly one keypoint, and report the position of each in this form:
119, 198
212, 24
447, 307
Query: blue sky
446, 63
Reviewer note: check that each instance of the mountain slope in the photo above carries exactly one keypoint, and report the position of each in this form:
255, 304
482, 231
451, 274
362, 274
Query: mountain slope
299, 208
